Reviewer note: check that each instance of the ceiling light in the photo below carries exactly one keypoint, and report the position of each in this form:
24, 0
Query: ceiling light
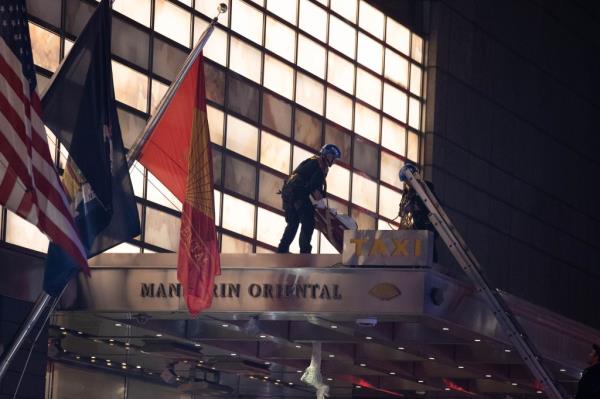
298, 346
138, 367
563, 370
514, 384
329, 379
233, 354
266, 377
291, 384
477, 340
262, 336
420, 381
159, 335
62, 328
278, 380
539, 392
331, 355
126, 343
488, 376
118, 324
507, 350
224, 325
334, 327
197, 345
461, 367
92, 357
123, 367
431, 358
267, 363
251, 377
77, 357
363, 365
357, 387
93, 360
400, 348
298, 371
446, 329
392, 373
123, 364
446, 389
369, 338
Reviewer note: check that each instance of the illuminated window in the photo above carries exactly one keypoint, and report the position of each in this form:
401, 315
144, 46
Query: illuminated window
412, 151
394, 102
300, 155
311, 56
309, 93
215, 124
366, 122
397, 36
393, 136
417, 48
247, 21
279, 77
308, 129
131, 87
274, 152
269, 227
242, 137
45, 47
313, 20
245, 59
390, 166
230, 245
371, 19
172, 21
137, 178
131, 126
368, 88
364, 192
157, 192
388, 202
217, 195
158, 92
340, 72
268, 188
414, 113
396, 68
286, 9
238, 215
338, 181
21, 232
216, 46
124, 248
342, 36
138, 10
162, 229
370, 53
326, 247
280, 39
346, 8
276, 114
209, 8
415, 79
339, 108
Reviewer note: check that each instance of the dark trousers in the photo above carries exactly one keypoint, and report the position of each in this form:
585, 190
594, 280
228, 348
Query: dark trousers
297, 212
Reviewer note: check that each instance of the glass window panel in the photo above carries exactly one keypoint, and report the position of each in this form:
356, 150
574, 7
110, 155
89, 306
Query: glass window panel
313, 20
415, 79
240, 176
209, 8
274, 152
385, 225
259, 2
346, 8
279, 77
276, 114
263, 250
338, 136
396, 68
215, 124
68, 46
269, 227
342, 36
299, 155
280, 39
158, 92
131, 126
172, 21
242, 137
370, 53
308, 129
247, 21
340, 72
366, 157
238, 215
364, 192
366, 122
286, 9
311, 56
137, 178
394, 102
215, 83
417, 48
390, 166
78, 13
243, 98
339, 206
46, 11
388, 202
217, 163
167, 59
414, 113
133, 44
339, 108
338, 181
217, 197
397, 36
157, 192
326, 247
124, 248
245, 59
232, 245
324, 2
368, 88
364, 220
314, 242
371, 19
42, 83
268, 187
45, 47
412, 151
131, 87
393, 136
309, 93
162, 229
216, 47
21, 232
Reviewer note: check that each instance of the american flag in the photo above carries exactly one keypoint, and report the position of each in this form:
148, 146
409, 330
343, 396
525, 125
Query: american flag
29, 183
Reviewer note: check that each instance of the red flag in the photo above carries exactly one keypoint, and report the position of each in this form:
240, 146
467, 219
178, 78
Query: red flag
178, 153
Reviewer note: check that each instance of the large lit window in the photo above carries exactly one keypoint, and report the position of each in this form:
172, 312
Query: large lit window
242, 137
245, 59
172, 21
342, 36
238, 215
280, 39
339, 108
131, 87
311, 56
313, 20
279, 77
340, 72
286, 9
274, 152
45, 47
309, 93
247, 21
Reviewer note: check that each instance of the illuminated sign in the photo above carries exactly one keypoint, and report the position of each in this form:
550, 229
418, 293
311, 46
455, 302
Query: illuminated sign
388, 247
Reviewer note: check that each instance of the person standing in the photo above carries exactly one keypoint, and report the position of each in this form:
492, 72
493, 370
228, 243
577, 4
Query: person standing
307, 180
589, 384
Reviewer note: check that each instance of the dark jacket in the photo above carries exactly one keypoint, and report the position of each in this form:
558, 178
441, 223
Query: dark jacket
305, 179
589, 385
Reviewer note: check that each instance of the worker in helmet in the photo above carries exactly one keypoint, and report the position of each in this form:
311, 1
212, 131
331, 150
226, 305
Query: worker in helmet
306, 181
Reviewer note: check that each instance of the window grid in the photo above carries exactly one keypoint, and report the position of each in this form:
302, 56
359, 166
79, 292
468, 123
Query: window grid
193, 13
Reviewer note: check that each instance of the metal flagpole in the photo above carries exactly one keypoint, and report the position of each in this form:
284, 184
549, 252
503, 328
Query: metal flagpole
135, 150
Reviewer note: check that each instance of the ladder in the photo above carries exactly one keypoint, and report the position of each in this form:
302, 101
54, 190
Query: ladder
466, 259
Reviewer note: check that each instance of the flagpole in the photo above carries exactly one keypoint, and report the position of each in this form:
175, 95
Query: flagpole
135, 150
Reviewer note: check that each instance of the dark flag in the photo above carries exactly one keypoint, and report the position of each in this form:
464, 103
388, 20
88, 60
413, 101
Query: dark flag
79, 108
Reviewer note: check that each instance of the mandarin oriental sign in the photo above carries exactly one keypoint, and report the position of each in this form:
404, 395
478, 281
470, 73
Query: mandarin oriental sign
388, 247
